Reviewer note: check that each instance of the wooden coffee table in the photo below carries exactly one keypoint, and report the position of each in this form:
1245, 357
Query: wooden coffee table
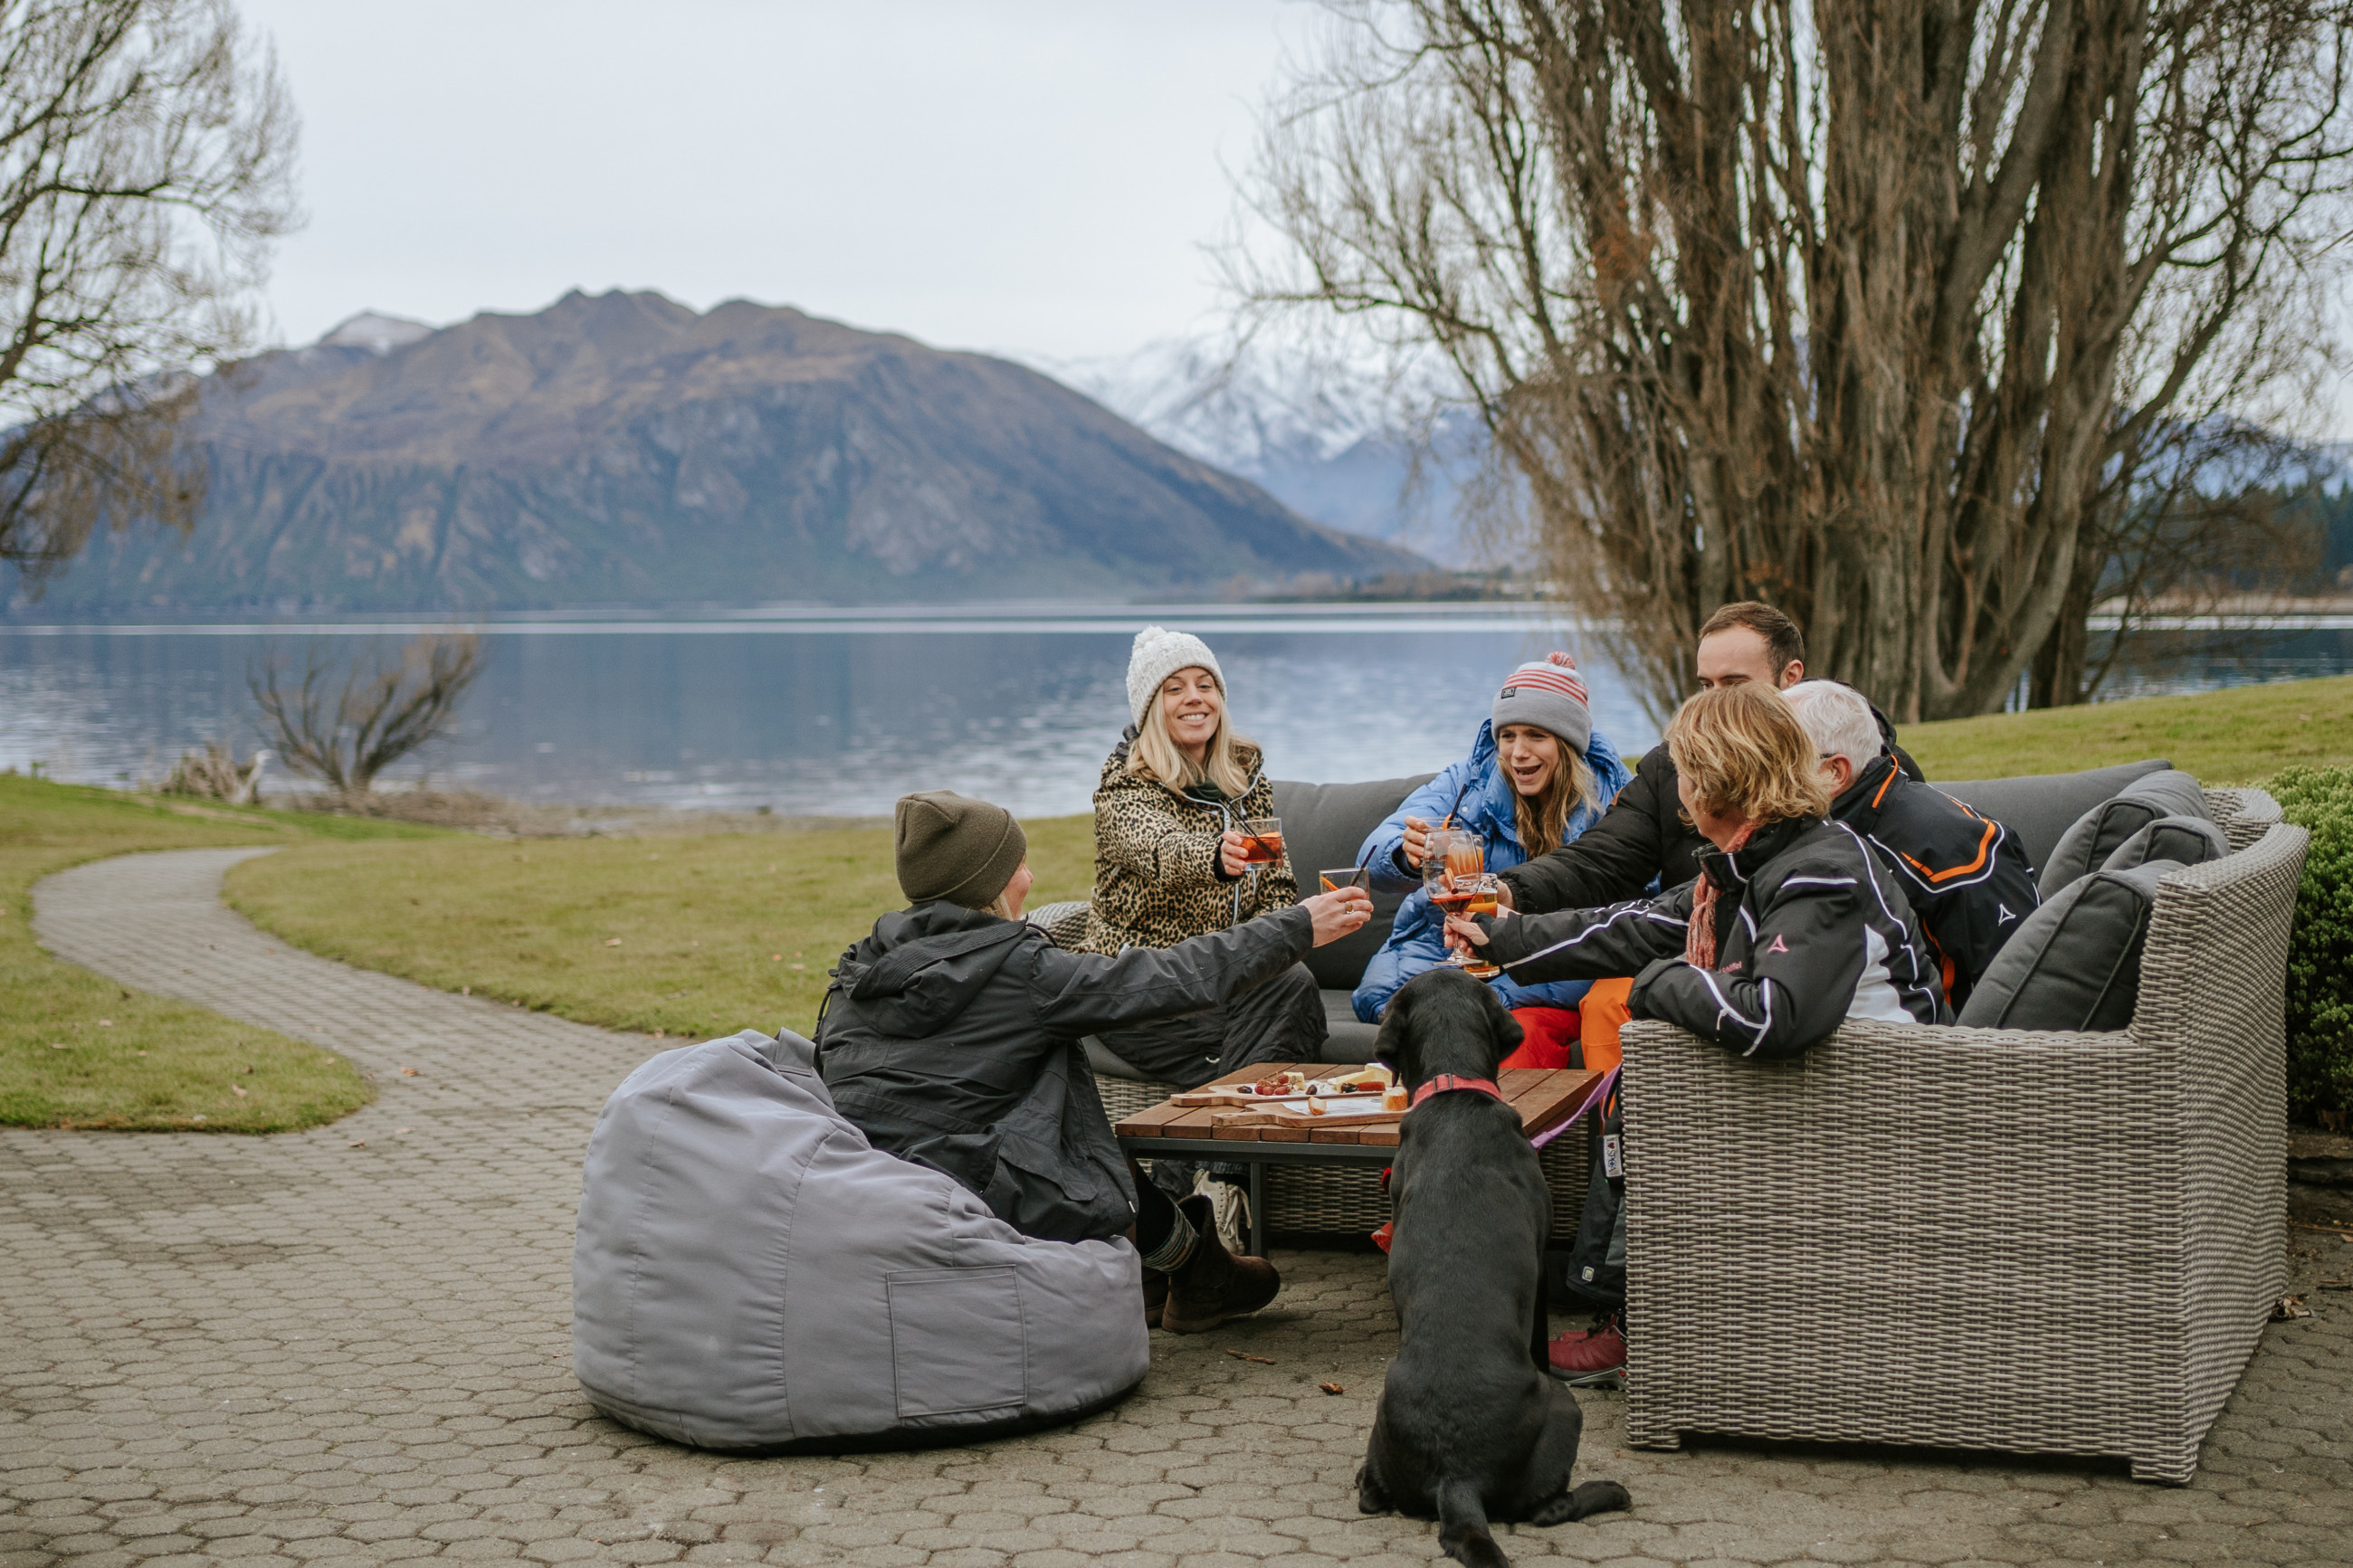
1544, 1097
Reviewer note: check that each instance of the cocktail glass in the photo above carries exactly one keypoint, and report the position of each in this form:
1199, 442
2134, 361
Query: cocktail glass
1483, 901
1261, 840
1346, 877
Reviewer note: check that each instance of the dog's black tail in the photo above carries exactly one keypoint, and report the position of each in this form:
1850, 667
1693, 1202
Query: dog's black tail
1463, 1526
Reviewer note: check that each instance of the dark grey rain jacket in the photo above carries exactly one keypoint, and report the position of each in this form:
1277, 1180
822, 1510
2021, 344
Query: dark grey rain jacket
950, 1037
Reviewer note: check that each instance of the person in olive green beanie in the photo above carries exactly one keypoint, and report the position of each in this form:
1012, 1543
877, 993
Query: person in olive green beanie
950, 1036
966, 851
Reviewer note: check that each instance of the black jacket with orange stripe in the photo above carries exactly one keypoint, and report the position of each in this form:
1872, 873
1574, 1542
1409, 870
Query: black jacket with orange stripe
1966, 875
1641, 842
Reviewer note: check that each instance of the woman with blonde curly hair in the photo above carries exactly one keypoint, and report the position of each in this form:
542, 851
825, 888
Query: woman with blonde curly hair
1790, 927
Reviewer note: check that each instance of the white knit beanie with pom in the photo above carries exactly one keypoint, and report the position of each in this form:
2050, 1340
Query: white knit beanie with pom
1159, 654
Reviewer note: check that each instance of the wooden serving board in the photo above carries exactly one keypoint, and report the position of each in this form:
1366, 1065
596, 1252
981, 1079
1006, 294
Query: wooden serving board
1224, 1099
1297, 1126
1544, 1097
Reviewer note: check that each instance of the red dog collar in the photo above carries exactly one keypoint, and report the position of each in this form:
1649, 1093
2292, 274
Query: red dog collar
1447, 1080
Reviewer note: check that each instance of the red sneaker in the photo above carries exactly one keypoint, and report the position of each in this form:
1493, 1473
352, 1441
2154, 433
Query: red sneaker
1596, 1356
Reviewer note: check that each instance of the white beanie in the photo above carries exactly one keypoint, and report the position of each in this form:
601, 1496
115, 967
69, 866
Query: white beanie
1159, 654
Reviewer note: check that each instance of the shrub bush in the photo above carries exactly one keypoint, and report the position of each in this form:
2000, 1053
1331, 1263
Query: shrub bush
2320, 951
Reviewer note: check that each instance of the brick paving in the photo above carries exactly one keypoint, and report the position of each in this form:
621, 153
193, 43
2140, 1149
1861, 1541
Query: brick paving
354, 1344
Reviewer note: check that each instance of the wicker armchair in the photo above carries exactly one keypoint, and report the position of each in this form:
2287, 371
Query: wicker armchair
2038, 1243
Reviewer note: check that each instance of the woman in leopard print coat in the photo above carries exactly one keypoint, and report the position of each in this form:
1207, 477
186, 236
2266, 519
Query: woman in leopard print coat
1168, 814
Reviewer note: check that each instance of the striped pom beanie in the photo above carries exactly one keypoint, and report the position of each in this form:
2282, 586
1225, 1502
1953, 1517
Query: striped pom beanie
1546, 693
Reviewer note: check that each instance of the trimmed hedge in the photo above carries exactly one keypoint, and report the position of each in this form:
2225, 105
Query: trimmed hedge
2320, 950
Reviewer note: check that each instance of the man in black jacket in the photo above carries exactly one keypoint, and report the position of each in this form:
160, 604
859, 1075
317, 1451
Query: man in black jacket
1643, 841
1965, 875
950, 1037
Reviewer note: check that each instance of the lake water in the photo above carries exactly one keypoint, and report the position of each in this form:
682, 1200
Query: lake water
840, 712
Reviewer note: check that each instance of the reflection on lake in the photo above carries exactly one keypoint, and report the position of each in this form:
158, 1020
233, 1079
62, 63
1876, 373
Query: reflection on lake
840, 712
813, 719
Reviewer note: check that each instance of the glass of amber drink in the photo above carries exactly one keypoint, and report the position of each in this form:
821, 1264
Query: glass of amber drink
1346, 877
1261, 840
1482, 900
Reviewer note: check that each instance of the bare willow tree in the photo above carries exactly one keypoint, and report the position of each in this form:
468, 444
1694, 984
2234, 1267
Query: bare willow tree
379, 714
146, 164
1874, 309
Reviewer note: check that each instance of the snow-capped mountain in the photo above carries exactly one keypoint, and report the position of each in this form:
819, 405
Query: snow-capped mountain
1325, 442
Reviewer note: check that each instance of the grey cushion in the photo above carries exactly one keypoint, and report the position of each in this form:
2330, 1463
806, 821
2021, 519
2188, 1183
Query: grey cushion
2074, 964
2039, 807
1324, 826
2185, 840
748, 1272
1349, 1042
2096, 835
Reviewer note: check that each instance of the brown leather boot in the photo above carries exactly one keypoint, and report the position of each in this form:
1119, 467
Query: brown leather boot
1213, 1285
1156, 1296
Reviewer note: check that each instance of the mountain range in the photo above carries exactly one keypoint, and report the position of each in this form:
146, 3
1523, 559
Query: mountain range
623, 449
1320, 439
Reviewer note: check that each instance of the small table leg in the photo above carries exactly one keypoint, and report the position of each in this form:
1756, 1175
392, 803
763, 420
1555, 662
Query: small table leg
1254, 1233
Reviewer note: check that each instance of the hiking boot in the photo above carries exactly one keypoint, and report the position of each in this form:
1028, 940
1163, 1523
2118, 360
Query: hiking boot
1156, 1296
1213, 1285
1596, 1356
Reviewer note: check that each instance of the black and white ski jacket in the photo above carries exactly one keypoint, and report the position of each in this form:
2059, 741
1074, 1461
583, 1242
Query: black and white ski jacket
1809, 928
1964, 874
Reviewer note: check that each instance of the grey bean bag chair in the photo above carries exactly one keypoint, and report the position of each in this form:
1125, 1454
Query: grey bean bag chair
750, 1274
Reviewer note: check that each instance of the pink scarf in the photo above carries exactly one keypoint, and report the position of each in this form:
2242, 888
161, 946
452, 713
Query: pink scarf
1699, 937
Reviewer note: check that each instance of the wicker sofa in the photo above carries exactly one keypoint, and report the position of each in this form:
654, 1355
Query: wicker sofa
2040, 1243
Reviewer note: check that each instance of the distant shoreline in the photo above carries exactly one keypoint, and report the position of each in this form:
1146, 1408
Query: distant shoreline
894, 620
1439, 616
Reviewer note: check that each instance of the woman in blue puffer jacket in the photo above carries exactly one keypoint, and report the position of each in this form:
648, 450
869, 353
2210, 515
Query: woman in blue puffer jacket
1537, 776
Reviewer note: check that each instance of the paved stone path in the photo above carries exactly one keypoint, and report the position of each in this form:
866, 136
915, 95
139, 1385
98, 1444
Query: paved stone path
354, 1344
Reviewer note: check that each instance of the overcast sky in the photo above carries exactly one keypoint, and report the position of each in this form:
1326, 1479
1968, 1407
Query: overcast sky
1033, 177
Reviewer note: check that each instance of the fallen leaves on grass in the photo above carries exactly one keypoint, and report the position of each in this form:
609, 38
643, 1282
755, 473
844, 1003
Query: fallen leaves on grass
1245, 1355
233, 1090
409, 1072
612, 941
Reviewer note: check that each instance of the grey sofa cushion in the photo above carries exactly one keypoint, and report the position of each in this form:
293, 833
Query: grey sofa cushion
1324, 826
2074, 964
2187, 840
1349, 1042
2096, 835
748, 1272
2039, 807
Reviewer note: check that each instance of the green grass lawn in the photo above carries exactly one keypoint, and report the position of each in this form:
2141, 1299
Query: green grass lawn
697, 937
703, 936
2236, 737
78, 1050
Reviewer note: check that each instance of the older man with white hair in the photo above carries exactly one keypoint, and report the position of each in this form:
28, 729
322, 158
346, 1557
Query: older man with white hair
1966, 875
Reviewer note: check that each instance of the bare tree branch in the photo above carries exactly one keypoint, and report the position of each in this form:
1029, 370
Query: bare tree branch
1880, 310
380, 715
146, 163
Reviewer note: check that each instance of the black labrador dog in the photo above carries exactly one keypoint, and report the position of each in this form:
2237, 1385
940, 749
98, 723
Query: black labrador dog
1470, 1428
